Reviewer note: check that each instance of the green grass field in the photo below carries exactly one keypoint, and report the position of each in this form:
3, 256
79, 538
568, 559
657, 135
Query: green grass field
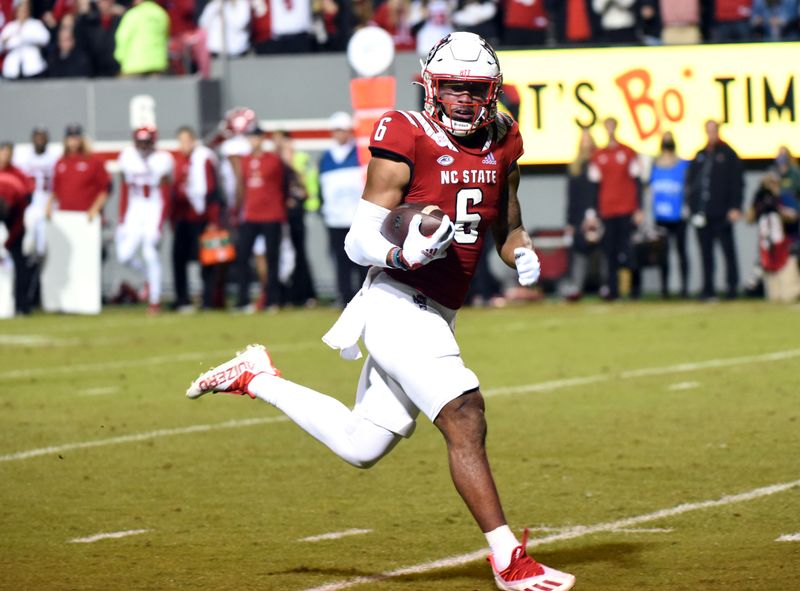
610, 427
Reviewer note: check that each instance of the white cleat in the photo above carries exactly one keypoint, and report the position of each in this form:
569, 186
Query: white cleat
525, 574
234, 376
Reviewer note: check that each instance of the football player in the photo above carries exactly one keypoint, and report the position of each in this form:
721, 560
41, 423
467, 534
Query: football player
143, 207
460, 155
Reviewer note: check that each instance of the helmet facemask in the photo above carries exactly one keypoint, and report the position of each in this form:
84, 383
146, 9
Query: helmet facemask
461, 104
462, 81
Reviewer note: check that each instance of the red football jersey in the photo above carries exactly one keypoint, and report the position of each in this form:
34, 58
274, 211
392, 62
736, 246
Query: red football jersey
467, 184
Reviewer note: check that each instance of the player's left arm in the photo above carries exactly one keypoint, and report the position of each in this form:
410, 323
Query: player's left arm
514, 244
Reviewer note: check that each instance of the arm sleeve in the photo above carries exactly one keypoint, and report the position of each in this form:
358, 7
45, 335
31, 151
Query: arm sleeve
364, 243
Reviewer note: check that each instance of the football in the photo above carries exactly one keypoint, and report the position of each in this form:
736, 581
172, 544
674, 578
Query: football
395, 226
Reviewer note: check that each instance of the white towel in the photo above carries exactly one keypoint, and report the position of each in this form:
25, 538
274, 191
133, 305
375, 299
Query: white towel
346, 331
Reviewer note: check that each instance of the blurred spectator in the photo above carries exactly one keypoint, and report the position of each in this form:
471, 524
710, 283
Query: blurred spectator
303, 190
477, 16
617, 20
334, 22
617, 170
188, 51
196, 205
142, 38
68, 61
60, 10
573, 20
80, 182
15, 190
525, 23
262, 183
95, 29
650, 22
670, 211
291, 24
236, 23
584, 228
786, 166
715, 183
430, 21
773, 20
392, 16
680, 21
776, 219
260, 24
143, 207
6, 12
731, 20
22, 41
341, 183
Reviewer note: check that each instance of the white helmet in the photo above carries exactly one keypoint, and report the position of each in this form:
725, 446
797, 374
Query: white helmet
466, 58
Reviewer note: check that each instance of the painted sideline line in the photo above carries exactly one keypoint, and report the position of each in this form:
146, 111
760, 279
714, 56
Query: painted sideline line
789, 538
644, 372
35, 340
336, 535
109, 536
42, 451
528, 388
569, 533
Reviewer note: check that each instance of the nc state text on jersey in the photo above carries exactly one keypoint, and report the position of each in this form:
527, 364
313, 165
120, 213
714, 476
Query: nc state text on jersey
470, 176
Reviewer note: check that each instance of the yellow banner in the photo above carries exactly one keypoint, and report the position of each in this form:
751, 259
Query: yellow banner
750, 88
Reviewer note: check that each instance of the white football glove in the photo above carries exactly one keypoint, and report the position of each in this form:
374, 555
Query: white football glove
528, 266
419, 249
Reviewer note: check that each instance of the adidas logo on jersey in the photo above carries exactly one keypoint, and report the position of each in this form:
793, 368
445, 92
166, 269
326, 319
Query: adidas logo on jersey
489, 159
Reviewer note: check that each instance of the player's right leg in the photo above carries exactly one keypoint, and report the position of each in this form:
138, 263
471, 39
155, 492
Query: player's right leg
354, 438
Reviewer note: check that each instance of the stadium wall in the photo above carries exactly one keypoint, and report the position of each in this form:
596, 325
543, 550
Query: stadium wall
297, 93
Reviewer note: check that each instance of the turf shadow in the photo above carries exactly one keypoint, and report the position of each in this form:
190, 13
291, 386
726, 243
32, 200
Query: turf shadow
474, 574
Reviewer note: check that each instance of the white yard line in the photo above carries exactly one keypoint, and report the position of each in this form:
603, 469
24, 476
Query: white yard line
644, 372
135, 437
109, 536
683, 386
336, 535
34, 340
789, 538
209, 357
524, 389
569, 533
100, 391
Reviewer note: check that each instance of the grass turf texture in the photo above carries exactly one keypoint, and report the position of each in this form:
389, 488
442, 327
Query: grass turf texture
226, 507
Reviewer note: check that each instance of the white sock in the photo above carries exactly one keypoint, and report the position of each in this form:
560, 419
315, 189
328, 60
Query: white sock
502, 541
351, 437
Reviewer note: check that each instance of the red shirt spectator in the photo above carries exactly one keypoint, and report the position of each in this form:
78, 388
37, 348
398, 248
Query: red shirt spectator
524, 14
181, 16
260, 22
392, 16
732, 10
80, 182
263, 188
616, 168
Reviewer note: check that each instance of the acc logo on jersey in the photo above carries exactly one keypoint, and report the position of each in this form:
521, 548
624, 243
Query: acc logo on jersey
445, 160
